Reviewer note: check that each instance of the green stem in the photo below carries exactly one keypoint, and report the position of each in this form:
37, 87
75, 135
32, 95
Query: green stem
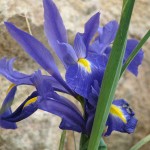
84, 140
74, 138
62, 140
111, 77
141, 143
135, 52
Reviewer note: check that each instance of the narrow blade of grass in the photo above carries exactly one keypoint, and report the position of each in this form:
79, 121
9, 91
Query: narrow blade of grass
135, 52
111, 76
62, 140
141, 143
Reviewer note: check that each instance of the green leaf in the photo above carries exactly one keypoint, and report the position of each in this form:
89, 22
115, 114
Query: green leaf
102, 145
141, 143
111, 76
135, 52
62, 140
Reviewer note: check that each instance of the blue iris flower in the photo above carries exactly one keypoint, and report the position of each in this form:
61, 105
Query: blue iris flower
102, 45
85, 63
44, 98
121, 117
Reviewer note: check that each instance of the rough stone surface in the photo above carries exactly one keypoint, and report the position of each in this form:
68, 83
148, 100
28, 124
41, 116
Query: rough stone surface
41, 132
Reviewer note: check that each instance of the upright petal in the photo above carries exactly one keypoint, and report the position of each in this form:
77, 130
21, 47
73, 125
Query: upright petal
6, 69
70, 56
121, 118
79, 46
54, 28
90, 29
71, 117
133, 67
107, 34
6, 110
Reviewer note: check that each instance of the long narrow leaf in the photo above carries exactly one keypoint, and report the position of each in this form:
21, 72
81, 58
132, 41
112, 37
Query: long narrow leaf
111, 77
141, 143
135, 51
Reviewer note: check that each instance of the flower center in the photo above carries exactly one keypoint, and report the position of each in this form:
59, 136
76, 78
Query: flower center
85, 63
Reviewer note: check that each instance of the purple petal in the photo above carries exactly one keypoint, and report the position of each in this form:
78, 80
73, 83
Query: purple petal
53, 103
107, 34
133, 67
96, 47
71, 117
125, 123
70, 56
6, 110
80, 78
6, 69
79, 46
35, 49
54, 28
23, 111
90, 29
55, 84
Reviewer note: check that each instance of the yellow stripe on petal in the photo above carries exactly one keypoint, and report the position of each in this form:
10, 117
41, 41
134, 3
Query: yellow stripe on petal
10, 87
116, 111
30, 101
86, 64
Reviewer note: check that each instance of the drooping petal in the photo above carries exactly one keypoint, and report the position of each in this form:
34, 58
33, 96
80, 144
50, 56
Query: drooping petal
27, 108
35, 49
90, 29
54, 29
107, 34
133, 67
6, 110
121, 118
53, 103
6, 69
79, 46
71, 117
81, 75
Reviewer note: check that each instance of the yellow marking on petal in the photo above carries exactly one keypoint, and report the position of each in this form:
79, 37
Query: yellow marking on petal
116, 111
86, 64
10, 87
30, 101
